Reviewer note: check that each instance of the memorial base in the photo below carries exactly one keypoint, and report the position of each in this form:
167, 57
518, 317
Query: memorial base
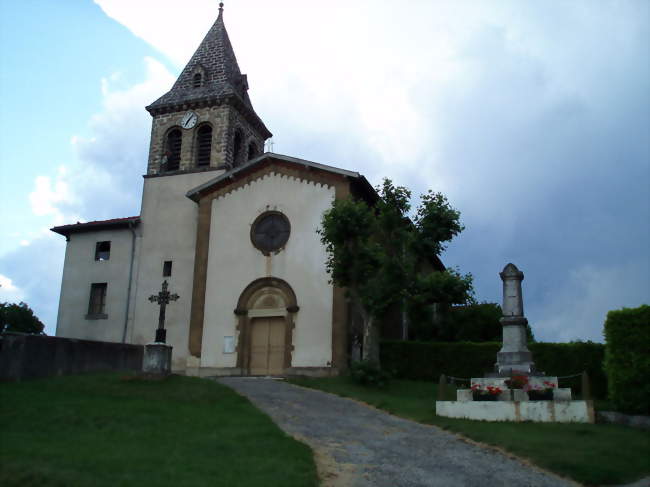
542, 401
519, 411
157, 359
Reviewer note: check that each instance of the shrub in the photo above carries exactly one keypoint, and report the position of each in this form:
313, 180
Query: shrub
368, 374
627, 358
427, 360
558, 359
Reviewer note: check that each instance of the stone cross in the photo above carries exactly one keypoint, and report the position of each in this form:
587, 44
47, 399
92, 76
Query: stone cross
163, 298
514, 356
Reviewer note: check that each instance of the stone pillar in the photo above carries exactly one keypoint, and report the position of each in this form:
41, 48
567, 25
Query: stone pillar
157, 359
514, 356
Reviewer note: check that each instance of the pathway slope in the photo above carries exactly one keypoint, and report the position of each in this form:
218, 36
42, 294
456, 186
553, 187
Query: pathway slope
359, 446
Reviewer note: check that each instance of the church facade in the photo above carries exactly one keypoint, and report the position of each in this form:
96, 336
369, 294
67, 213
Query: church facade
231, 229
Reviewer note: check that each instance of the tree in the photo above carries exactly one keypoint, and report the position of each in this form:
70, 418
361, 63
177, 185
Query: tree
20, 318
384, 258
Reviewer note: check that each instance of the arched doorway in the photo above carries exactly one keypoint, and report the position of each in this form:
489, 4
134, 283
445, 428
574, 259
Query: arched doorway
266, 311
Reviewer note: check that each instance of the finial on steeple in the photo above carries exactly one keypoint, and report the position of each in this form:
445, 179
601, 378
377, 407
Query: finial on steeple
220, 7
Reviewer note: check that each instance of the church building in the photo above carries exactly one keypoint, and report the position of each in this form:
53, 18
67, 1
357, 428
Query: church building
229, 228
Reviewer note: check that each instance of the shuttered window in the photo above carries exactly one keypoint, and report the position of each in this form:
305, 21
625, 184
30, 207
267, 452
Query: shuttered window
197, 81
237, 148
204, 145
252, 151
97, 303
173, 154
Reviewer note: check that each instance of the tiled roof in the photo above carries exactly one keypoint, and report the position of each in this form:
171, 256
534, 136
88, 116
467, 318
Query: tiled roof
231, 175
96, 225
216, 61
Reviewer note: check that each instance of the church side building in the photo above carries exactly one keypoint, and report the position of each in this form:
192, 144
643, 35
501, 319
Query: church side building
230, 228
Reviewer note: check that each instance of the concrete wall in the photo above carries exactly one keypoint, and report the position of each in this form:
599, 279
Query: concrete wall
168, 227
80, 271
234, 262
33, 356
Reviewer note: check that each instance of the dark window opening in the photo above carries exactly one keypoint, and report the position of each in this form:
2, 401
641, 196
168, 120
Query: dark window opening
237, 146
97, 302
173, 150
252, 151
204, 145
197, 81
167, 268
103, 250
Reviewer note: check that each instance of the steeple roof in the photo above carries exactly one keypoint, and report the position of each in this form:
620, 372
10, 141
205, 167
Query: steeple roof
221, 79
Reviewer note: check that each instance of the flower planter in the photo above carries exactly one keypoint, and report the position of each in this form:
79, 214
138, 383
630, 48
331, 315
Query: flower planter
485, 397
541, 395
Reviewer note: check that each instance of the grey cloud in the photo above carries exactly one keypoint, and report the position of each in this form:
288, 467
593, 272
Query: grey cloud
36, 269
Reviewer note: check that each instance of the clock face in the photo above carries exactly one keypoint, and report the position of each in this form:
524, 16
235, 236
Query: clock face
189, 120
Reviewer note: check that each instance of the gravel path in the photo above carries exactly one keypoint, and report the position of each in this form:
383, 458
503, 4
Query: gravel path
359, 446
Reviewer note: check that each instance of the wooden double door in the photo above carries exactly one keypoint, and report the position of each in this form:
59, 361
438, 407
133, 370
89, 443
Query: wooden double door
267, 346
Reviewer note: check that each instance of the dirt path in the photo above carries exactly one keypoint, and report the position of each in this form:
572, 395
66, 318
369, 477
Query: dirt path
359, 446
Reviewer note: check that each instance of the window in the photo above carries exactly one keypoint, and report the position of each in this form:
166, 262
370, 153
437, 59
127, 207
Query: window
172, 159
103, 251
237, 147
252, 151
97, 302
197, 80
167, 268
203, 145
270, 231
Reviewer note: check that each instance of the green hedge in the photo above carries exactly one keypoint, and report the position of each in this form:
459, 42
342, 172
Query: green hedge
627, 358
427, 360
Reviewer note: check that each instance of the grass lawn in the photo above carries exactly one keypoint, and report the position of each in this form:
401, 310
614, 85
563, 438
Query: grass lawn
117, 430
590, 454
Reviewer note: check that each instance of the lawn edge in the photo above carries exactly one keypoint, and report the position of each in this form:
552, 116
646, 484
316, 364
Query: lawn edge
320, 471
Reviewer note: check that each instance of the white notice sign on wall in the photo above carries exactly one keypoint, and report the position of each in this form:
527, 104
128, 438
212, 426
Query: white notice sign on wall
228, 344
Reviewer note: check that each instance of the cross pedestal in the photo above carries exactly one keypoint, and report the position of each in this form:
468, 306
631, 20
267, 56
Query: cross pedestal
157, 359
158, 355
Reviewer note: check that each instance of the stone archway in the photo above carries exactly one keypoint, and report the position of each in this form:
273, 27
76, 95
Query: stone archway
266, 302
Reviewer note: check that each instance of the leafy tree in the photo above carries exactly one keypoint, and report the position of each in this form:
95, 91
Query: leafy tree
384, 258
20, 318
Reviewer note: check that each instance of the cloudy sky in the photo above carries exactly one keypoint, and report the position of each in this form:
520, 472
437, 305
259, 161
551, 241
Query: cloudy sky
532, 117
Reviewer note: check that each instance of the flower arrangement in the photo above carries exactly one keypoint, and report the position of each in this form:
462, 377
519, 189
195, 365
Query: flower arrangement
517, 382
489, 393
540, 393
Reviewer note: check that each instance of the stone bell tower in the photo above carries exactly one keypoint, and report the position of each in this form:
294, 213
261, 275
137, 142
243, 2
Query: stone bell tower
206, 121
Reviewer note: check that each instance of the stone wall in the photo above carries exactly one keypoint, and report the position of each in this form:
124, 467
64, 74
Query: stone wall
224, 120
216, 116
33, 356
